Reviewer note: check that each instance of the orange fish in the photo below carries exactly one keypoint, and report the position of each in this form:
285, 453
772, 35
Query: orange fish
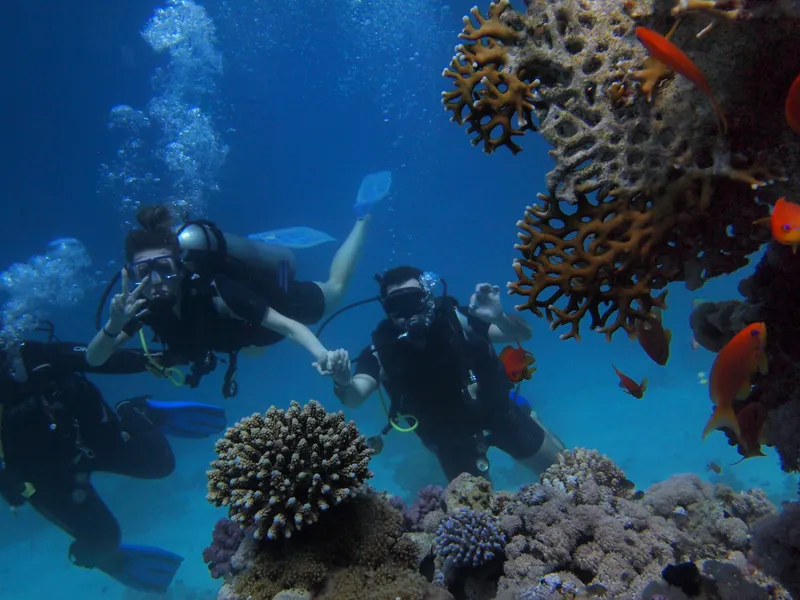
712, 466
751, 425
785, 223
517, 362
629, 386
793, 105
653, 337
668, 53
731, 373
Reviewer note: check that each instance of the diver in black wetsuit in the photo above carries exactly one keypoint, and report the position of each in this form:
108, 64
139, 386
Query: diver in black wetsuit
204, 292
436, 361
56, 430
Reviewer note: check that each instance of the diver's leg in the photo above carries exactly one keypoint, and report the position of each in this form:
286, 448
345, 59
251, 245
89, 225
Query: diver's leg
71, 503
457, 457
142, 451
523, 437
344, 264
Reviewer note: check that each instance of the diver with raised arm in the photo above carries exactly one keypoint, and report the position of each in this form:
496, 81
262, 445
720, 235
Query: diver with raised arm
204, 292
444, 380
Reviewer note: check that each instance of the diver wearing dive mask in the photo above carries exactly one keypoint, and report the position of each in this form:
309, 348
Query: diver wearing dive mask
413, 308
448, 385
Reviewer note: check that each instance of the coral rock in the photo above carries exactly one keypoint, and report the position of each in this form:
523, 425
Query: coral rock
280, 470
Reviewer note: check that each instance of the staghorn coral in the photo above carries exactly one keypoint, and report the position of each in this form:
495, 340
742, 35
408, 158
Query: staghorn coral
644, 191
279, 471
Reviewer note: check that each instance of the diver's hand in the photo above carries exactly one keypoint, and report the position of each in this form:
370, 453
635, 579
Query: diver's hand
335, 364
125, 305
485, 303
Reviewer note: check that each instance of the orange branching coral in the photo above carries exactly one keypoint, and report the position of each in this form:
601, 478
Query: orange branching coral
604, 255
491, 92
592, 256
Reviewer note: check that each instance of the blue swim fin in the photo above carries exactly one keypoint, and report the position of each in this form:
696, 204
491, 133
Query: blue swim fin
146, 568
293, 237
374, 188
519, 399
187, 419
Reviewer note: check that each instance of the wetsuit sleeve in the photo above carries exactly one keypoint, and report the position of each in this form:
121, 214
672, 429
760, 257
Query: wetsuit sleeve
71, 356
477, 325
367, 364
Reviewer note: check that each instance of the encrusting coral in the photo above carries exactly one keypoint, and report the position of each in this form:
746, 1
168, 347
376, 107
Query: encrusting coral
645, 189
279, 471
581, 533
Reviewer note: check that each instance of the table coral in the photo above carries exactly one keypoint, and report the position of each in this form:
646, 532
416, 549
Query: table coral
279, 471
645, 191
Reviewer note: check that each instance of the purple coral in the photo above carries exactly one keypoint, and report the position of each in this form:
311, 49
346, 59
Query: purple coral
429, 499
226, 538
469, 538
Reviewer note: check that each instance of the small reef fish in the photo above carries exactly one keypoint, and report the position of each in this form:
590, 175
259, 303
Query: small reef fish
653, 338
668, 53
712, 466
517, 363
629, 386
731, 375
784, 223
793, 105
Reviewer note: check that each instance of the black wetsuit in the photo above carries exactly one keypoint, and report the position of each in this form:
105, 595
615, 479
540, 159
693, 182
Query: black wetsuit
431, 383
56, 430
202, 331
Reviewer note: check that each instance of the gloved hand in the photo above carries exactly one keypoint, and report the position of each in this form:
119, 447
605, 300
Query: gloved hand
485, 303
125, 305
335, 364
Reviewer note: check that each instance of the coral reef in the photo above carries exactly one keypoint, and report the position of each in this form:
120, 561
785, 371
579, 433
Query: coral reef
279, 471
645, 189
580, 533
428, 500
776, 546
769, 296
226, 538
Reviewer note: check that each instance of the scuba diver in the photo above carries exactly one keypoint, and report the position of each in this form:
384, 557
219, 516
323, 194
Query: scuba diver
443, 376
204, 292
56, 430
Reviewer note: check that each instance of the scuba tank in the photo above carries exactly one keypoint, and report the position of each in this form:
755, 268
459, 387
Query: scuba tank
203, 244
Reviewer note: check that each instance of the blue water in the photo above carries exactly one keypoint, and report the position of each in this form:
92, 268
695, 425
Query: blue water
266, 115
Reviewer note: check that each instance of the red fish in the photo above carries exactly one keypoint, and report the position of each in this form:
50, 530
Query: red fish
653, 337
793, 105
629, 386
785, 223
668, 53
751, 425
517, 363
731, 375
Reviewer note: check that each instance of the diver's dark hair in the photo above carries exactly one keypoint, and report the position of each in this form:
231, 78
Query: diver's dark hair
396, 276
156, 231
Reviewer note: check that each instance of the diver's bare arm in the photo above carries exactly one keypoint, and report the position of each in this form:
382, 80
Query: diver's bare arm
509, 328
354, 395
103, 345
297, 332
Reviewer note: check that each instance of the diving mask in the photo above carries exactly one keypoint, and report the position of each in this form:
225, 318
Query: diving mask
405, 302
158, 268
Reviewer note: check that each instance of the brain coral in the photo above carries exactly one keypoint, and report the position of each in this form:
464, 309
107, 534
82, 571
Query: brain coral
645, 190
277, 471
